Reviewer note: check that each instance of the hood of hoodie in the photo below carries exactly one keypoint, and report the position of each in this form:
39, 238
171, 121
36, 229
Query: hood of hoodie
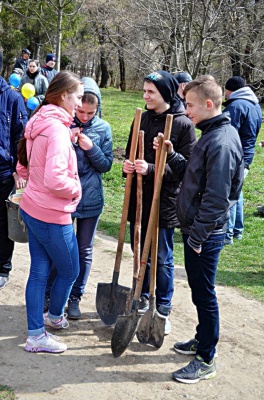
244, 93
89, 85
3, 85
44, 118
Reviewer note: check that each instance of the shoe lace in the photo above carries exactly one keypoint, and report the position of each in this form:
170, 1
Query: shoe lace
47, 334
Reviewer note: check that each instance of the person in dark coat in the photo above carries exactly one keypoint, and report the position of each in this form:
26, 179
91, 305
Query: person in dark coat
160, 94
13, 118
48, 69
182, 79
212, 179
23, 61
243, 107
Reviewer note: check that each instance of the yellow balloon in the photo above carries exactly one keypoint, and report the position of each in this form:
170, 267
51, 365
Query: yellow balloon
28, 90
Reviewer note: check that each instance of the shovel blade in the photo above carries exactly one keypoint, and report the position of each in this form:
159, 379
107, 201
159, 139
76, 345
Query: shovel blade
111, 301
151, 329
125, 330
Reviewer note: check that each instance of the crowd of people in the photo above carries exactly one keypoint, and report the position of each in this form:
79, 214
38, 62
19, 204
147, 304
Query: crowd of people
58, 154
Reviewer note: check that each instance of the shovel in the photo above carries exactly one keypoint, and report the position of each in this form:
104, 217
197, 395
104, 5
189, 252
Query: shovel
126, 325
151, 326
137, 229
112, 298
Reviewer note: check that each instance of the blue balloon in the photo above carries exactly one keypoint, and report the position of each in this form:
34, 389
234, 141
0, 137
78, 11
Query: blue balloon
14, 80
32, 103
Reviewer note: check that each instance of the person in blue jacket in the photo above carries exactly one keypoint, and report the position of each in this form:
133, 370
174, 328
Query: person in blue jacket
94, 157
246, 116
13, 117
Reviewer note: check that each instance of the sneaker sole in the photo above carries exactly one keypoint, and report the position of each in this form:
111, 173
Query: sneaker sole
141, 312
190, 381
73, 317
43, 350
56, 328
191, 352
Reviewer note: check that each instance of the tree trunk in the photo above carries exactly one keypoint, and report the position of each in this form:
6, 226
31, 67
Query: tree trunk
104, 70
235, 64
59, 38
122, 70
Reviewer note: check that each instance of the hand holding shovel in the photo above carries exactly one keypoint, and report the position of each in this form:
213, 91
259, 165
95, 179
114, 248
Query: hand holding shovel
126, 325
112, 298
151, 326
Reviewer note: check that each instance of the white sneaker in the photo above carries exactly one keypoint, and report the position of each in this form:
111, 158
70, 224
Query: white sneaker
61, 323
167, 329
45, 342
4, 280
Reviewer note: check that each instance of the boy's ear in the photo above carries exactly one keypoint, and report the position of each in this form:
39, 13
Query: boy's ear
209, 105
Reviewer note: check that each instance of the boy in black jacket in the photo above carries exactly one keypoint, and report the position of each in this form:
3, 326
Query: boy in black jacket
213, 178
160, 95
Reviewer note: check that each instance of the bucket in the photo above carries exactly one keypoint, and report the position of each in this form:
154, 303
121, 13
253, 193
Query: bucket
16, 231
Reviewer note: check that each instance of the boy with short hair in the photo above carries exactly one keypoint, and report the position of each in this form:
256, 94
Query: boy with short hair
212, 181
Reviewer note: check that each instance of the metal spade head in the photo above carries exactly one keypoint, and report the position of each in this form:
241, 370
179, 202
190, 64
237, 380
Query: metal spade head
124, 333
111, 301
151, 329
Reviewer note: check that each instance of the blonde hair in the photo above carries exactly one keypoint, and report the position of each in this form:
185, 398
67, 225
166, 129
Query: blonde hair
206, 87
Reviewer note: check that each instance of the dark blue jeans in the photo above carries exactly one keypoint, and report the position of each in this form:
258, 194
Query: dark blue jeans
86, 228
201, 272
6, 245
165, 268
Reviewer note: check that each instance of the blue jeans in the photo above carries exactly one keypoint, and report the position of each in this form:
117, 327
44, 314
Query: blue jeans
201, 272
86, 229
6, 245
235, 226
49, 243
165, 268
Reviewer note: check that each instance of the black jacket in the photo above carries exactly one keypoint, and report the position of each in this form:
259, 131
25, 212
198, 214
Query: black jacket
184, 139
213, 178
22, 64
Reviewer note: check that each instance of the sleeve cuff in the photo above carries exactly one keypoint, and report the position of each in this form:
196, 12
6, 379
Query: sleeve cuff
193, 244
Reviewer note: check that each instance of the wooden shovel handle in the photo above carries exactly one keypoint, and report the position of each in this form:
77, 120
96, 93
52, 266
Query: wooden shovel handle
154, 208
155, 234
137, 230
123, 223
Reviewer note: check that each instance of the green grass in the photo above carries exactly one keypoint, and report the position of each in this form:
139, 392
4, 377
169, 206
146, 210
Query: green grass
240, 265
6, 393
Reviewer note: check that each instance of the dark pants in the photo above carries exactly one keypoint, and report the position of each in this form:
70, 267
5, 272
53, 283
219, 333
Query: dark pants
201, 272
165, 268
6, 245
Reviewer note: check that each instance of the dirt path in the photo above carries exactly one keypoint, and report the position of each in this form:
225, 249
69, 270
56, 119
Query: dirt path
89, 371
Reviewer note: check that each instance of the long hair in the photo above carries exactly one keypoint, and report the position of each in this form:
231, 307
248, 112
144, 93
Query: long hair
22, 151
63, 81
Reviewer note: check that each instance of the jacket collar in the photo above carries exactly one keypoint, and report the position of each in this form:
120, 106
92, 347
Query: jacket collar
212, 123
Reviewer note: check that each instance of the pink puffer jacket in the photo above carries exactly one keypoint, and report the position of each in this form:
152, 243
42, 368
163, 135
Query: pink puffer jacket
53, 189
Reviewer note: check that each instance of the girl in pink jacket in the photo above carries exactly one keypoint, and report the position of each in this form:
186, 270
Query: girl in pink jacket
52, 193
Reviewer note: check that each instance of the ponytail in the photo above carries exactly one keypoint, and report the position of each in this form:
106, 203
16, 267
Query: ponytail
22, 152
